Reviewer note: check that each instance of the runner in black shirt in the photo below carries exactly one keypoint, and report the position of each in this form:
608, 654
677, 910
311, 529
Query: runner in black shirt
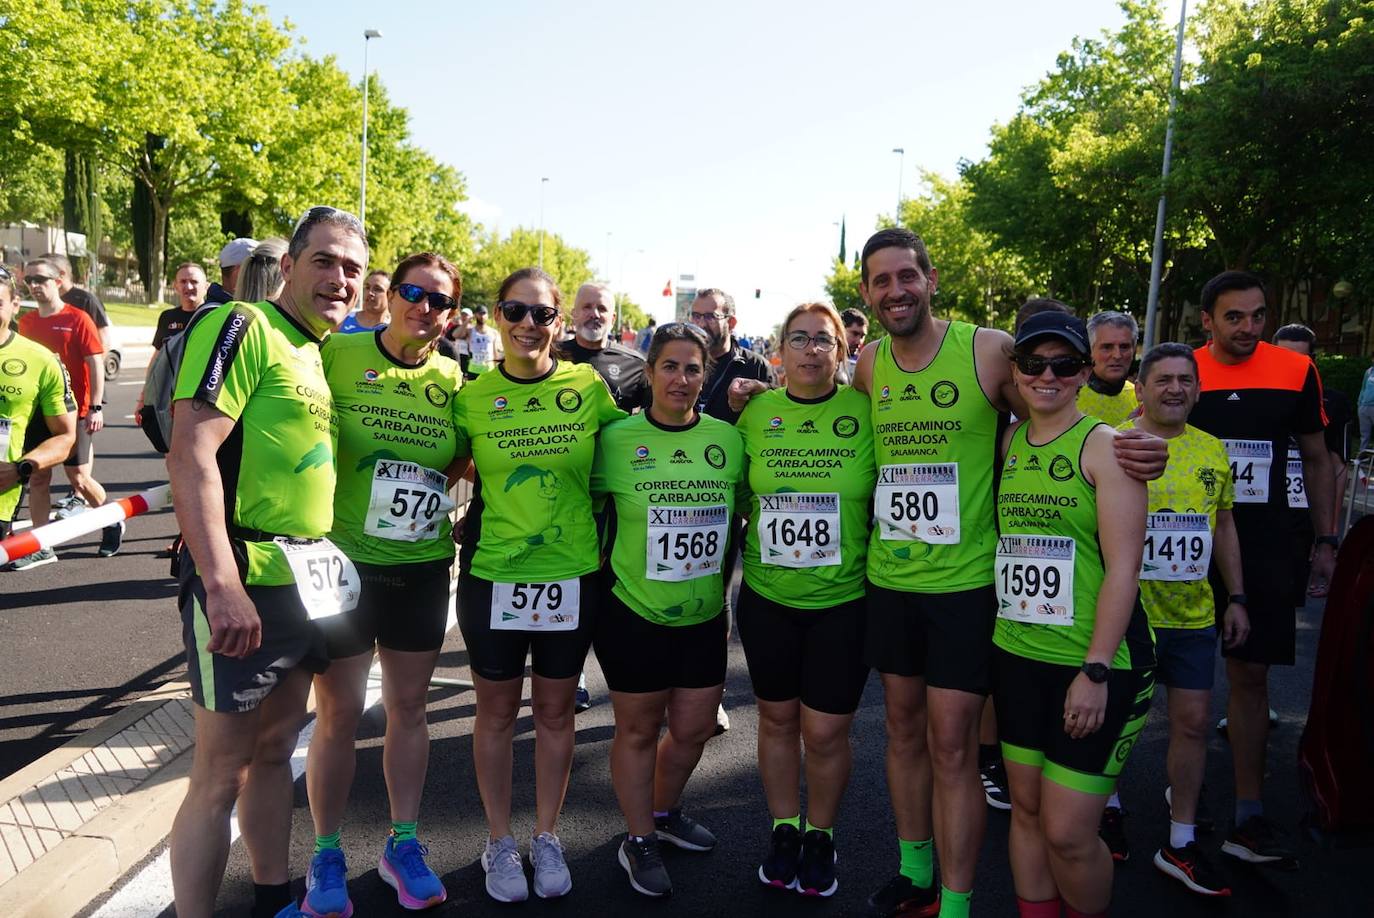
714, 311
621, 367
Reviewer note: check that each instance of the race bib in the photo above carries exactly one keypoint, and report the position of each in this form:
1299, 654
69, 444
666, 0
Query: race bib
408, 502
918, 503
6, 425
1034, 577
536, 606
1294, 482
481, 353
326, 579
1178, 546
1250, 461
799, 530
685, 542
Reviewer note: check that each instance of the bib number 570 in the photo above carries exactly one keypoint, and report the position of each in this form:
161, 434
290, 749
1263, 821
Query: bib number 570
411, 502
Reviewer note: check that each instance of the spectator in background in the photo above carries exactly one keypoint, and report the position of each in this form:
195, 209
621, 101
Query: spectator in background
1107, 397
373, 313
1366, 405
713, 311
231, 259
259, 276
191, 286
80, 297
647, 335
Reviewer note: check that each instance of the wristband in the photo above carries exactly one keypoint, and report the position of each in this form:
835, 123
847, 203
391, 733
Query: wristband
1331, 540
1238, 599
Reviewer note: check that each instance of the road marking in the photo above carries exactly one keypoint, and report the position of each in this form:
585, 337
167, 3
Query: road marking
130, 382
149, 892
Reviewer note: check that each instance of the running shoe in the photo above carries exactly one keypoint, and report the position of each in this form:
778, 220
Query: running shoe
1193, 868
551, 877
995, 791
402, 867
37, 559
902, 897
644, 866
582, 699
779, 867
684, 831
111, 539
722, 720
816, 872
1112, 828
1259, 841
326, 886
1202, 813
70, 506
505, 871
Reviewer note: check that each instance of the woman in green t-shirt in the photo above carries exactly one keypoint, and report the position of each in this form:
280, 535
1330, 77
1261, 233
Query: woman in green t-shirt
809, 500
527, 585
391, 519
1073, 661
671, 474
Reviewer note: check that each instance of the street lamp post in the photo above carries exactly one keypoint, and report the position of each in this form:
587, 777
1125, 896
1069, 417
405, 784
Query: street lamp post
542, 183
608, 256
362, 184
1157, 255
901, 167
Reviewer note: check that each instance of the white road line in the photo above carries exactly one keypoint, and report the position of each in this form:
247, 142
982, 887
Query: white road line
149, 892
130, 382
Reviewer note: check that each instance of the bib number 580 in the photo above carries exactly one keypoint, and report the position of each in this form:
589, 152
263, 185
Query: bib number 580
914, 506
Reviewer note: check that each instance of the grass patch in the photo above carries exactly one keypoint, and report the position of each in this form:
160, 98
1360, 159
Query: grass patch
134, 313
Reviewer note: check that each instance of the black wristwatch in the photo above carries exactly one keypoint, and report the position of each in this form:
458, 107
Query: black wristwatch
1333, 541
95, 408
1096, 672
1237, 598
25, 468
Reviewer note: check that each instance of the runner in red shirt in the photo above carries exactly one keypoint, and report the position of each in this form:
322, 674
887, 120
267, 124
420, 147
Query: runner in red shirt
69, 333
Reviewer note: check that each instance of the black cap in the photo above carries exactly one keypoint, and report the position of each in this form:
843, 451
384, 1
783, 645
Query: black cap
1055, 325
479, 310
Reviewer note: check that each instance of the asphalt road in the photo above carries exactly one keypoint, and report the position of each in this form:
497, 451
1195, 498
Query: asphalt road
85, 636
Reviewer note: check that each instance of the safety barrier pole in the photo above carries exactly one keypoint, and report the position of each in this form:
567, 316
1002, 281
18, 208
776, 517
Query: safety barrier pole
23, 544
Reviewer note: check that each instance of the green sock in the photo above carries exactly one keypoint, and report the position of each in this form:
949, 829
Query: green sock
810, 827
954, 904
325, 842
793, 821
917, 863
404, 831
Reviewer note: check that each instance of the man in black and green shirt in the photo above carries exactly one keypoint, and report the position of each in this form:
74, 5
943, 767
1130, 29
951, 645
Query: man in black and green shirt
252, 467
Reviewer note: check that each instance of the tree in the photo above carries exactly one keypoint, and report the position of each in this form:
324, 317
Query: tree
628, 311
81, 206
497, 258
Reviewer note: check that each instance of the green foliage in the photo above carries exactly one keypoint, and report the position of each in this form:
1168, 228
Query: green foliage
1343, 373
627, 310
842, 286
497, 258
81, 204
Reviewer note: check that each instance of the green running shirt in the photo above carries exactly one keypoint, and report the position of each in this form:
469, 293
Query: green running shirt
254, 363
674, 495
532, 442
396, 437
1049, 566
33, 385
1196, 482
935, 444
808, 495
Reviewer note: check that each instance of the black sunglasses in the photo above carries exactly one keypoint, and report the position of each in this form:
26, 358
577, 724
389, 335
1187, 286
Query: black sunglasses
5, 273
515, 311
414, 293
1063, 366
34, 280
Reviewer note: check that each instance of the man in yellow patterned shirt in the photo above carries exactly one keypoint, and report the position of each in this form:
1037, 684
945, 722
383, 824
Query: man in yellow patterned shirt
1108, 396
1189, 527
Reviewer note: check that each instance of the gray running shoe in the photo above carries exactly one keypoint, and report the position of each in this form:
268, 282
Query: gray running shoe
505, 871
644, 866
684, 831
37, 559
551, 877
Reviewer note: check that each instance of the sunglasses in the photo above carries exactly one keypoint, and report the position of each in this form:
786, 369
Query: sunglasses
1063, 366
35, 280
798, 341
414, 293
515, 311
5, 273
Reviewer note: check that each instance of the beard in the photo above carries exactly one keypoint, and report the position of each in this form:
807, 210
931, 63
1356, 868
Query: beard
907, 326
593, 330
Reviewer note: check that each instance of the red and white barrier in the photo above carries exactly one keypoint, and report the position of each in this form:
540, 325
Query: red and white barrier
23, 544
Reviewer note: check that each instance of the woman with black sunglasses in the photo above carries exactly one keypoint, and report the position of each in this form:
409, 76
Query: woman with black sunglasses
1074, 656
528, 560
397, 456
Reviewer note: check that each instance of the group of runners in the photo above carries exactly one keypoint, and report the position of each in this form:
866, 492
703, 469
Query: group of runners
953, 519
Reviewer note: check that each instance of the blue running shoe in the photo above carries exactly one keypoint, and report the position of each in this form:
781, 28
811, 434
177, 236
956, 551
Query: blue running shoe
403, 868
291, 911
326, 886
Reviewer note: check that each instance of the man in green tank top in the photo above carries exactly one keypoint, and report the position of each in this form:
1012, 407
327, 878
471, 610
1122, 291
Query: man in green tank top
252, 467
937, 388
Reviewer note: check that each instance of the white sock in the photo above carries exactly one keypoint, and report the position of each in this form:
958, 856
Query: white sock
1181, 834
1115, 800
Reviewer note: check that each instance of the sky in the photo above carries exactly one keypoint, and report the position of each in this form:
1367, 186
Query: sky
725, 140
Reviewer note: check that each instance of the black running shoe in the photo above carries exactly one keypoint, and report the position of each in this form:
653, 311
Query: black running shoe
779, 867
644, 866
111, 538
902, 897
1194, 869
816, 872
1112, 828
684, 831
994, 775
1259, 841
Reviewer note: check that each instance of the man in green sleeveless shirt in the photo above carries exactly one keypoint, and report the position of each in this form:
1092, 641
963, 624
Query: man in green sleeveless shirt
936, 388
